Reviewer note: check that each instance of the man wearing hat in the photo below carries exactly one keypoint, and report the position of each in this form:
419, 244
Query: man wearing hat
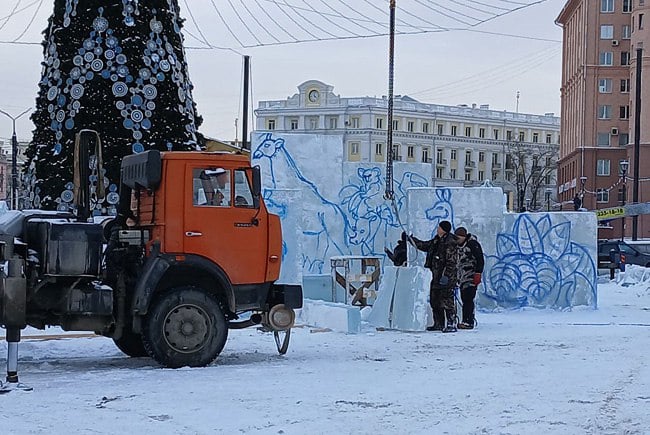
442, 260
470, 268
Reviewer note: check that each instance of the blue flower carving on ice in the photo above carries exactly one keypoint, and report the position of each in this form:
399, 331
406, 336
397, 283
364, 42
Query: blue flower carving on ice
538, 265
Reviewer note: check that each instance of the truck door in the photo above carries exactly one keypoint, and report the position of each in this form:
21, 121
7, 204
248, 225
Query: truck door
219, 222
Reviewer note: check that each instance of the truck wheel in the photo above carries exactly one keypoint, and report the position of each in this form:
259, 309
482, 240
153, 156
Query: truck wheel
131, 344
185, 326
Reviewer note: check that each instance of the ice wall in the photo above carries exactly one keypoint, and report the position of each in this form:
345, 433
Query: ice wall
329, 207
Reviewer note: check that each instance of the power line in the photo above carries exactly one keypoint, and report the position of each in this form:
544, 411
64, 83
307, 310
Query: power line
8, 17
31, 21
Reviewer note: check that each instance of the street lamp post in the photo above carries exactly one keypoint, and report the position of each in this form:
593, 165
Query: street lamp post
624, 165
14, 161
548, 198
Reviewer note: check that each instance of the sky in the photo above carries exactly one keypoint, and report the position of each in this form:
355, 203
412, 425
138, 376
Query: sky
481, 66
579, 371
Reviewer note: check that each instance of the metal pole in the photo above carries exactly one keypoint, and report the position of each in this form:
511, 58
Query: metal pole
244, 137
14, 158
624, 194
637, 140
390, 194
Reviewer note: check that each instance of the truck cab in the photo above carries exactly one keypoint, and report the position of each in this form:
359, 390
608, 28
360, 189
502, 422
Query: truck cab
192, 253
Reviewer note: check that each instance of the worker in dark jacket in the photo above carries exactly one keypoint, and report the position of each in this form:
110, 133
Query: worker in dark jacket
398, 255
470, 268
442, 260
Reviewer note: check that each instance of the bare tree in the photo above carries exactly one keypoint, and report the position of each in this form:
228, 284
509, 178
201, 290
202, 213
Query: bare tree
531, 165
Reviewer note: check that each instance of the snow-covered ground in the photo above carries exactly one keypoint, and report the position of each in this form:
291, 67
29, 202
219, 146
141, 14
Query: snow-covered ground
523, 372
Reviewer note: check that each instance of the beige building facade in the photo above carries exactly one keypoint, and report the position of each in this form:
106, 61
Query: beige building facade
600, 42
467, 145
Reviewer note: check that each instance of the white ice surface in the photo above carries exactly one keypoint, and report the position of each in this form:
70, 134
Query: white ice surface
524, 372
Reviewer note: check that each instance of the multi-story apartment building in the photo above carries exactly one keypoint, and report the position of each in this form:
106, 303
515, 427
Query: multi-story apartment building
466, 145
600, 44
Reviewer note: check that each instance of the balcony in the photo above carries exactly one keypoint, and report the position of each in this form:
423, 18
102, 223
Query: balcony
496, 165
470, 165
441, 163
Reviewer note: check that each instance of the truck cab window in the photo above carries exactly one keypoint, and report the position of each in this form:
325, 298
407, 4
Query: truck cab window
243, 195
211, 187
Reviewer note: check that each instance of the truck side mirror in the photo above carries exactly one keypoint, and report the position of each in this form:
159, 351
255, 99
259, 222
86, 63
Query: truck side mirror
257, 186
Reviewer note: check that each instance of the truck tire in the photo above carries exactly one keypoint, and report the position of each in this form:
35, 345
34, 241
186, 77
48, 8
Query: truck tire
185, 326
131, 344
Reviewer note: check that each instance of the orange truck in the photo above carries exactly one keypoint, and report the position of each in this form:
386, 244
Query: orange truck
191, 253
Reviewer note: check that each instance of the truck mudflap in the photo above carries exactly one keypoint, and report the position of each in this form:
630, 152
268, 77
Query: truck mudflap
288, 294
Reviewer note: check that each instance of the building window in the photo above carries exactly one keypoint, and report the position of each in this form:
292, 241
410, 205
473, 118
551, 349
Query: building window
293, 124
439, 157
425, 155
481, 175
605, 86
468, 131
410, 151
602, 168
606, 5
270, 124
495, 175
481, 133
481, 156
625, 86
439, 172
379, 123
333, 122
396, 154
623, 139
640, 21
453, 154
522, 136
425, 127
626, 31
495, 159
468, 176
354, 148
627, 6
606, 58
454, 130
625, 58
410, 126
395, 124
604, 111
313, 123
496, 133
624, 112
549, 138
379, 149
441, 129
355, 122
602, 196
603, 139
606, 31
509, 135
535, 137
452, 174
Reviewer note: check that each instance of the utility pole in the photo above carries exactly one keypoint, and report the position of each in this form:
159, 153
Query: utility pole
637, 138
14, 161
244, 135
517, 107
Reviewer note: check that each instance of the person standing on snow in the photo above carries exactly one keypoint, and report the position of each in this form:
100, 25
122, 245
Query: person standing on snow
442, 260
470, 268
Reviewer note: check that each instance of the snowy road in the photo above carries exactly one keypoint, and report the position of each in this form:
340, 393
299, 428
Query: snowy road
519, 373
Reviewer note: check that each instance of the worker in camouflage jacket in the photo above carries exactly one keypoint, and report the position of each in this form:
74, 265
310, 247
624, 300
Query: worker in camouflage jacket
442, 260
470, 268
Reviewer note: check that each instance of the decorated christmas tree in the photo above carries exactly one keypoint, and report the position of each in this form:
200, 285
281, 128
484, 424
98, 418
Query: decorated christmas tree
117, 67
